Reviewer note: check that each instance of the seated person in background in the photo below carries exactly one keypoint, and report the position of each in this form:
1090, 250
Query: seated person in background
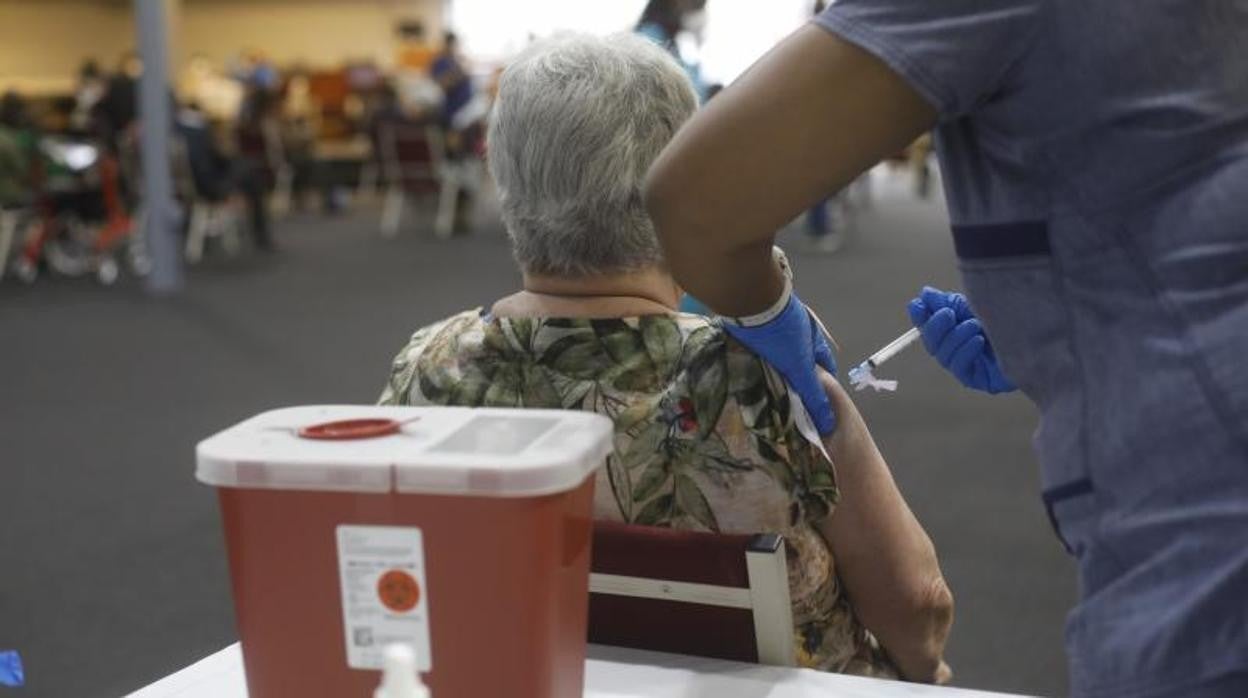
706, 435
217, 177
452, 76
18, 149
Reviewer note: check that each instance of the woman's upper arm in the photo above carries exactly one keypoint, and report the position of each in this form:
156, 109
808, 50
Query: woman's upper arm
885, 559
872, 532
800, 125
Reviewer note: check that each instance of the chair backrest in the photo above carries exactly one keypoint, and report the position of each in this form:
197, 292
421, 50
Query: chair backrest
411, 154
261, 144
693, 593
252, 143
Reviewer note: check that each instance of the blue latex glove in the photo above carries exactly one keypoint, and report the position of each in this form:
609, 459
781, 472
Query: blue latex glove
793, 343
956, 338
11, 673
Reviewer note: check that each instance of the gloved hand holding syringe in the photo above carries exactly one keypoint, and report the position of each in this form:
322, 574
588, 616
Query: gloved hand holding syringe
862, 376
790, 338
952, 335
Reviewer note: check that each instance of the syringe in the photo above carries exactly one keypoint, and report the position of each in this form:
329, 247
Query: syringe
862, 376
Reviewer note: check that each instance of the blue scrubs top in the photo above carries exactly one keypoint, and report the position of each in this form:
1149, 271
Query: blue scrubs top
1095, 155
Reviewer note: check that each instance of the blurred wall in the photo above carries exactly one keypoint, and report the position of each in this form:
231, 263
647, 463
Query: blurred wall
313, 32
495, 30
737, 33
42, 44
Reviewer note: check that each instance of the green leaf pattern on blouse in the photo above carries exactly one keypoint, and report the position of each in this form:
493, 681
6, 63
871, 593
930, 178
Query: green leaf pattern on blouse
705, 438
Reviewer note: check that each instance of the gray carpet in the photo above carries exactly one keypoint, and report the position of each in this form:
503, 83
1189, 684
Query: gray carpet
112, 572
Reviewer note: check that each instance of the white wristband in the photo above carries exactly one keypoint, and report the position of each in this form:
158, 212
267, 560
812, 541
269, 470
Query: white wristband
776, 308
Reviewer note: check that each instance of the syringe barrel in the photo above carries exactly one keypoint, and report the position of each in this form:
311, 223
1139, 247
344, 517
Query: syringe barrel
894, 347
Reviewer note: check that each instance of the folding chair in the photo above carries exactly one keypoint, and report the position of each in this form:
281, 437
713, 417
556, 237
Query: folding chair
369, 182
211, 219
413, 161
10, 221
692, 593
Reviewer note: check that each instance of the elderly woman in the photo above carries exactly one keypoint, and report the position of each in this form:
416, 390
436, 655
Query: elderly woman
707, 436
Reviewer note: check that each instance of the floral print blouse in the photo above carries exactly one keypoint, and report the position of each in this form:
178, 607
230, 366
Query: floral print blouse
705, 438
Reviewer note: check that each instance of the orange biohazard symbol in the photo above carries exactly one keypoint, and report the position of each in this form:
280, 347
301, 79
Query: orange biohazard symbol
398, 591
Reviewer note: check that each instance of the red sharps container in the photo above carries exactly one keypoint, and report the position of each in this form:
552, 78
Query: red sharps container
462, 533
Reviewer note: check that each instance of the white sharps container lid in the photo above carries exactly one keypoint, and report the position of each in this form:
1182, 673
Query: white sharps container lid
417, 450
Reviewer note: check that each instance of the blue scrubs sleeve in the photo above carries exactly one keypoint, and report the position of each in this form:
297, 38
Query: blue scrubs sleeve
955, 53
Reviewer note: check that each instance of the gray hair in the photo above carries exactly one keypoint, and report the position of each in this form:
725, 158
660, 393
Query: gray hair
578, 122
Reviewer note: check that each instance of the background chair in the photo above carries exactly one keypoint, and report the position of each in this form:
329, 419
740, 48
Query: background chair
413, 162
211, 219
211, 215
10, 222
692, 593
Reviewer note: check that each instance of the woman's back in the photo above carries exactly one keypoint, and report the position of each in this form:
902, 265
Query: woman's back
706, 437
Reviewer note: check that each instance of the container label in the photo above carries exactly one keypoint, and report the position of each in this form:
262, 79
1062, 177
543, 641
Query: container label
384, 596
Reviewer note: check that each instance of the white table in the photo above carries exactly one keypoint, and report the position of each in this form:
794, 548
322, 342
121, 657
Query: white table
612, 672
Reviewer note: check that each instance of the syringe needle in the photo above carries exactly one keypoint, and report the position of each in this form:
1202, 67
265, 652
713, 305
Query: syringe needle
862, 376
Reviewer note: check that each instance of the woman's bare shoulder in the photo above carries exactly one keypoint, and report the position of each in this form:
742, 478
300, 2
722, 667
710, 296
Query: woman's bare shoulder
851, 434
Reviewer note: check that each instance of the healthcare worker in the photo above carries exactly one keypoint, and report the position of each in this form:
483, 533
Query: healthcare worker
1095, 155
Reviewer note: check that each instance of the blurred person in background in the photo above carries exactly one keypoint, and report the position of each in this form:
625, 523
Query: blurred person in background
210, 167
260, 152
117, 111
415, 53
218, 96
418, 93
300, 121
258, 70
298, 102
451, 74
705, 437
388, 110
413, 81
462, 121
217, 177
259, 111
18, 151
663, 22
92, 87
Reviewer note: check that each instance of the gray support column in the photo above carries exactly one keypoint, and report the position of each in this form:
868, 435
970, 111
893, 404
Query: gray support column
162, 216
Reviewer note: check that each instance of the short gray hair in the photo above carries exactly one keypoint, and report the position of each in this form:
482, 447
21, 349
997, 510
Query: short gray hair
578, 122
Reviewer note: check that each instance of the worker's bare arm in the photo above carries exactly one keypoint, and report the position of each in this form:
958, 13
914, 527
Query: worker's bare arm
801, 124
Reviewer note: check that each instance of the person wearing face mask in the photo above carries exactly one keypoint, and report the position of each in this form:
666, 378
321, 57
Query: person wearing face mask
663, 21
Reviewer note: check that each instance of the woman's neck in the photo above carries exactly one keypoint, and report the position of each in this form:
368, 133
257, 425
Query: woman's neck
648, 292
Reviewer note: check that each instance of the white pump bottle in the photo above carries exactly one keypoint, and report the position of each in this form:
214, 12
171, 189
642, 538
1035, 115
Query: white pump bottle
399, 678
